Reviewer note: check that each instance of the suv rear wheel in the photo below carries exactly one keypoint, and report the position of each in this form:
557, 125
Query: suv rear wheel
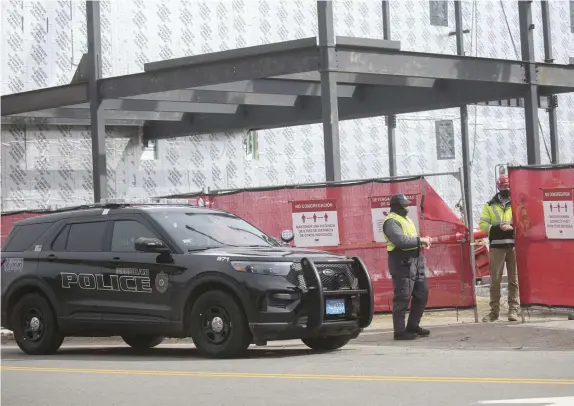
143, 342
218, 325
326, 343
35, 327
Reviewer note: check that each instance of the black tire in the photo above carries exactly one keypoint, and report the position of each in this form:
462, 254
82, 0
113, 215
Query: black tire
143, 342
212, 311
35, 326
326, 343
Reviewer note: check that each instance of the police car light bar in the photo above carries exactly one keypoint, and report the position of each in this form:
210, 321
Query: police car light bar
150, 200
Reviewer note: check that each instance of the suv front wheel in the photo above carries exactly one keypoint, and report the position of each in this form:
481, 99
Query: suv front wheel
326, 343
142, 342
218, 326
35, 327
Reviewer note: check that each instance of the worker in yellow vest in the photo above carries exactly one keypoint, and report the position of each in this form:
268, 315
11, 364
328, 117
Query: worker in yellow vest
407, 266
496, 220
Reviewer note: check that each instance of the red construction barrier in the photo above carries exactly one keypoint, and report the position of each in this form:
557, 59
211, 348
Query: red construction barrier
449, 276
544, 241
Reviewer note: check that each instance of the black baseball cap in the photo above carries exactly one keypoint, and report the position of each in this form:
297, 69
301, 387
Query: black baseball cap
400, 199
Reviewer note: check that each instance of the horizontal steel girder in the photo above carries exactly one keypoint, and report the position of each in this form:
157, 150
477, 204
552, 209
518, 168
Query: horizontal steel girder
204, 96
51, 97
556, 76
155, 106
83, 113
50, 121
277, 87
363, 79
370, 102
432, 66
227, 66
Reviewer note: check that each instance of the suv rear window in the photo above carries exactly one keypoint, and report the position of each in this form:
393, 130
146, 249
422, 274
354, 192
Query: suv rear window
22, 237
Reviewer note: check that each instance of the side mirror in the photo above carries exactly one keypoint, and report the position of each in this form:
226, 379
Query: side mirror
287, 236
143, 244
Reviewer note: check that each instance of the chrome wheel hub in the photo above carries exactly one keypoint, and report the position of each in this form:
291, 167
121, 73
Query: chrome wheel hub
217, 324
35, 324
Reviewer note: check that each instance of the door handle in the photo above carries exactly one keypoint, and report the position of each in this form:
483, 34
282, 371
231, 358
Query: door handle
52, 257
116, 258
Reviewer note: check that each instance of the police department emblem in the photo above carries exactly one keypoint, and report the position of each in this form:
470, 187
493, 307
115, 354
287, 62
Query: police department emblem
161, 282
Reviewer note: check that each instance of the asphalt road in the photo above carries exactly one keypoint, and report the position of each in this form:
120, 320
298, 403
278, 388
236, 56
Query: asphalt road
457, 365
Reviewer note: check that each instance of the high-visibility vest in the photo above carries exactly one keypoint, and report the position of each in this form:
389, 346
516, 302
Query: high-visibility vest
409, 229
496, 214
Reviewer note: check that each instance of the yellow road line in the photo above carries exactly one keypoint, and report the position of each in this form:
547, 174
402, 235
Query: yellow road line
205, 374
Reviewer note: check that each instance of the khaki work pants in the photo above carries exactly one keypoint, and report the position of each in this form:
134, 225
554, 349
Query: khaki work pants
498, 257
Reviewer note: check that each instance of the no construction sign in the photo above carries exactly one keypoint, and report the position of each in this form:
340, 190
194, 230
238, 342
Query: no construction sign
315, 223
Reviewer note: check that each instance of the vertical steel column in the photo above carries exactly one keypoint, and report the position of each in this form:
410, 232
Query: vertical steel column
531, 96
552, 119
466, 174
391, 119
97, 123
329, 98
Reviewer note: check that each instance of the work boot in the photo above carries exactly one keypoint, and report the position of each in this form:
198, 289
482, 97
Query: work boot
512, 316
419, 331
405, 335
490, 318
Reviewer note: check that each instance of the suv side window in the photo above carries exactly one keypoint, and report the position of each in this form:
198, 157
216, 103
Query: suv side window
86, 237
126, 232
24, 236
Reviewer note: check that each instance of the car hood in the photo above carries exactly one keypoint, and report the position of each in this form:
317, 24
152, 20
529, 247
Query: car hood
280, 253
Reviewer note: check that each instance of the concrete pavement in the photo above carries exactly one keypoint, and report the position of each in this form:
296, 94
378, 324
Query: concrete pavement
458, 365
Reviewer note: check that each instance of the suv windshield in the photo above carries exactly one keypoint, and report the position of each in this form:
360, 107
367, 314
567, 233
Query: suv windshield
211, 230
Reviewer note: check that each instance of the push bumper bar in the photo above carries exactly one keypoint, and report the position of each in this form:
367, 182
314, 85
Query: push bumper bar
316, 296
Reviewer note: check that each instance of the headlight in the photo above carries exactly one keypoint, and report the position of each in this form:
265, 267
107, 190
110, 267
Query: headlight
263, 268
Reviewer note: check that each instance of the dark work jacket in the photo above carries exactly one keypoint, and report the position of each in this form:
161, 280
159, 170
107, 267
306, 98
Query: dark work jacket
404, 264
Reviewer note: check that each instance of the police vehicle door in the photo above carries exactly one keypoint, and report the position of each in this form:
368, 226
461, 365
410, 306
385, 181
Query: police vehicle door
71, 262
139, 284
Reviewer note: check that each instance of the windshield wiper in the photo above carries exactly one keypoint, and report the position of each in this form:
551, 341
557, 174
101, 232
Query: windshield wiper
252, 233
202, 248
207, 235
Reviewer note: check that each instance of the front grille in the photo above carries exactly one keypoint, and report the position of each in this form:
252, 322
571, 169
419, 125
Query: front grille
337, 276
333, 276
295, 276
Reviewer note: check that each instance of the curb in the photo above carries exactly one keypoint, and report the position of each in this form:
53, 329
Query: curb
6, 333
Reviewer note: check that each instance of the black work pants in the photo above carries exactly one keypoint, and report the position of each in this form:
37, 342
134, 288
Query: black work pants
409, 281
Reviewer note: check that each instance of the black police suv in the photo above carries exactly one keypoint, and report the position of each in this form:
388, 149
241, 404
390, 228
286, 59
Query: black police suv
145, 272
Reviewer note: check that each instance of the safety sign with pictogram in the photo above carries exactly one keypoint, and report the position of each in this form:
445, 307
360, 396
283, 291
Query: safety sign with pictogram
558, 213
315, 223
380, 209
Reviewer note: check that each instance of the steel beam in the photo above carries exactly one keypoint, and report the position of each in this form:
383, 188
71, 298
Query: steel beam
552, 119
329, 98
66, 121
158, 106
44, 98
374, 102
84, 114
362, 79
432, 66
205, 96
275, 86
227, 66
96, 112
554, 75
531, 96
233, 54
391, 120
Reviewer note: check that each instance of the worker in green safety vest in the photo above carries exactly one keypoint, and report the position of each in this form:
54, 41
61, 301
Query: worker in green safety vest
496, 220
407, 266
